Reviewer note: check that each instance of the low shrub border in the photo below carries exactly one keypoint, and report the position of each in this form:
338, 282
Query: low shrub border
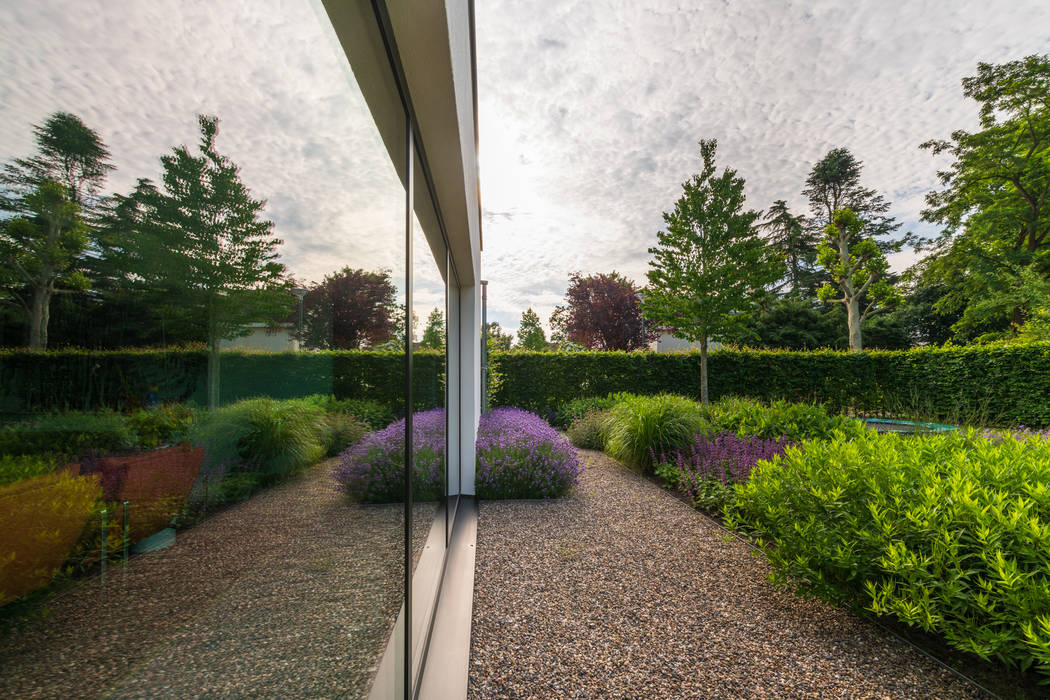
949, 533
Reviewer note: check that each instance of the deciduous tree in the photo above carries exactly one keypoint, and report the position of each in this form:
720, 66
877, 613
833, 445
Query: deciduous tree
43, 234
350, 309
199, 246
709, 263
604, 313
434, 332
530, 332
995, 205
857, 268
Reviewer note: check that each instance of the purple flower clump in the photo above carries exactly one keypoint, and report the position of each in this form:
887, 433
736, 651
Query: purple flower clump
724, 457
373, 470
519, 455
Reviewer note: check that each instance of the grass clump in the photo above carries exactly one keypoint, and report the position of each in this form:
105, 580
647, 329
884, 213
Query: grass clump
643, 426
590, 431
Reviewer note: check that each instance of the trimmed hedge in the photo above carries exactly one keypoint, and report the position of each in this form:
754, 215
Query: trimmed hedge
1004, 385
123, 380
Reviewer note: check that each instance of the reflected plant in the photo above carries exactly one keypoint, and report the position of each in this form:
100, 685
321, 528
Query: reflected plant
373, 470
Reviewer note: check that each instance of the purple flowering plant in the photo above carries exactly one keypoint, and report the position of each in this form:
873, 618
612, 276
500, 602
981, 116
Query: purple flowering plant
707, 470
519, 455
373, 469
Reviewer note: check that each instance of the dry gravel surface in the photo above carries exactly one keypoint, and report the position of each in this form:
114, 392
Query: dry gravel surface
290, 594
624, 591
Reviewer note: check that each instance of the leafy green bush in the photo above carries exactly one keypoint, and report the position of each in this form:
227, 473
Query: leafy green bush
948, 532
157, 426
640, 426
69, 434
778, 419
570, 411
17, 467
262, 437
372, 413
590, 431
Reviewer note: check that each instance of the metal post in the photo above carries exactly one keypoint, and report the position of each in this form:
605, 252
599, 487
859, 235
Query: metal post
105, 535
484, 346
127, 533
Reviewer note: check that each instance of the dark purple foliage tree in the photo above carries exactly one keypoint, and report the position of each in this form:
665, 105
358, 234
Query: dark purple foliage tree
604, 313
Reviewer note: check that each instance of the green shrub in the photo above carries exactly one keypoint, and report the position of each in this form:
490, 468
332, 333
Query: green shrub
949, 532
123, 379
263, 437
17, 467
340, 431
642, 425
157, 426
372, 413
590, 431
778, 419
68, 434
570, 411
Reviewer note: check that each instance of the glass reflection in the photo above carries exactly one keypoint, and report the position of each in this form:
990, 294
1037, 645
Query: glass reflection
201, 463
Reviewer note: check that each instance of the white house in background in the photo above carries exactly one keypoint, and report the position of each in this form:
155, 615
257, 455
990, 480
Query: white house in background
671, 343
264, 338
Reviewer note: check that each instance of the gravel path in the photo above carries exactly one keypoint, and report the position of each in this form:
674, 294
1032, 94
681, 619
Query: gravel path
623, 591
290, 594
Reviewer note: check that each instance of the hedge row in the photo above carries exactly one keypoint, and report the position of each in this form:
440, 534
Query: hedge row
1007, 385
1004, 385
123, 380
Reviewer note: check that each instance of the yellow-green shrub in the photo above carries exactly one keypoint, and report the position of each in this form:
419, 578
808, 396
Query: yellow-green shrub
40, 521
950, 533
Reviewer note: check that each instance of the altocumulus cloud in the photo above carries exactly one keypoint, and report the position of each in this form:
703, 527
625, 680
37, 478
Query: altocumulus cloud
590, 113
291, 115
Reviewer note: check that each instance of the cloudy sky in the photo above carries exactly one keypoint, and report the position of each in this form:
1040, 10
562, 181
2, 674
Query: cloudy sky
590, 112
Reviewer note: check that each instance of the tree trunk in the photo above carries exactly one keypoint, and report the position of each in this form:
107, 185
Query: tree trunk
705, 399
853, 317
213, 370
39, 315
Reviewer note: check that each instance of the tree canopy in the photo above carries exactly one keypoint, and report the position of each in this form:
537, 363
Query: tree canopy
350, 309
709, 263
603, 312
198, 245
530, 332
995, 201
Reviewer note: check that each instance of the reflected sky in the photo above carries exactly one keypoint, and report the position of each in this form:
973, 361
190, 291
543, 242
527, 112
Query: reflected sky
291, 115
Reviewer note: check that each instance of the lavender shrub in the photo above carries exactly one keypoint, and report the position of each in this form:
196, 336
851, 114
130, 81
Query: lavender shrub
373, 470
708, 470
519, 455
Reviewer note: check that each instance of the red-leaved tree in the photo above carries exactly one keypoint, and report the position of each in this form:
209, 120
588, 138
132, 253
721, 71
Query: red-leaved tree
349, 310
604, 313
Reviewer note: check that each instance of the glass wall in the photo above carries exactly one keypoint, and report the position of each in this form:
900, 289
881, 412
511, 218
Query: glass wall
204, 463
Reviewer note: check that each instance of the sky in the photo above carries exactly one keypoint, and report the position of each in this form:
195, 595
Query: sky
589, 113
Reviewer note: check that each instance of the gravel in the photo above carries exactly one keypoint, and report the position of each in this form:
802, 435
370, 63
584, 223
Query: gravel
291, 594
624, 591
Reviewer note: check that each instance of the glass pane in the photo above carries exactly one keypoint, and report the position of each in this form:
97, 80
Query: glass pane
429, 527
202, 470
